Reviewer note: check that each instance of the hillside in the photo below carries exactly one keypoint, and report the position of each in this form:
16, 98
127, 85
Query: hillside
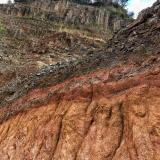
31, 40
99, 19
71, 96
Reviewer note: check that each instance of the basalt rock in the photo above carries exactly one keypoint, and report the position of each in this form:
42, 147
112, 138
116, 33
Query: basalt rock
70, 13
103, 105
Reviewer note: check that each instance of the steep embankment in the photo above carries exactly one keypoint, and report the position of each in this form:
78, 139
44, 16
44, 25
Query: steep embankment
101, 106
105, 19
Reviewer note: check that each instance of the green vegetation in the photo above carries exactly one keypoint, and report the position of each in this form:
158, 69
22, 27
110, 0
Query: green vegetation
116, 7
91, 31
2, 30
102, 2
117, 11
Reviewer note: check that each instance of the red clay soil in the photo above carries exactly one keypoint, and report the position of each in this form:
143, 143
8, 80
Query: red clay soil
111, 111
86, 118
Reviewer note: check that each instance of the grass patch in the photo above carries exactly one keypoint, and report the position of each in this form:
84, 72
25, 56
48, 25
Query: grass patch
90, 31
2, 30
85, 31
83, 34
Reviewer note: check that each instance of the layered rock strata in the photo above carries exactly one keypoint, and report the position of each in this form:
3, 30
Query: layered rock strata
102, 106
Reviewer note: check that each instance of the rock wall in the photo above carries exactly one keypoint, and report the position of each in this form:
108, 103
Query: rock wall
67, 12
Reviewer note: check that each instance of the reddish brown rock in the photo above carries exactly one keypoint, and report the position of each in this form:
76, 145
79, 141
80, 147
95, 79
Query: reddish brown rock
104, 106
86, 119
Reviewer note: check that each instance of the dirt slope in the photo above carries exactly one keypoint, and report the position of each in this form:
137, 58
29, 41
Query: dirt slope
104, 105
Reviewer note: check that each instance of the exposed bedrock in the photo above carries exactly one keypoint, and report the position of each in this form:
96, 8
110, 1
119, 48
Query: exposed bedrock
86, 118
104, 105
71, 13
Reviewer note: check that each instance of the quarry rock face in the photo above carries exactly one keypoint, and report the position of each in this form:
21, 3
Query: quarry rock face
68, 12
103, 105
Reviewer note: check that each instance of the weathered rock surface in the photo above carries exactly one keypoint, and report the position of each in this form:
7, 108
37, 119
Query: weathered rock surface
88, 117
71, 13
104, 105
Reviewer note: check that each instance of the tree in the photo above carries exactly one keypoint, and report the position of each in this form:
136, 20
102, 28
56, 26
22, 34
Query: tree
121, 2
124, 2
